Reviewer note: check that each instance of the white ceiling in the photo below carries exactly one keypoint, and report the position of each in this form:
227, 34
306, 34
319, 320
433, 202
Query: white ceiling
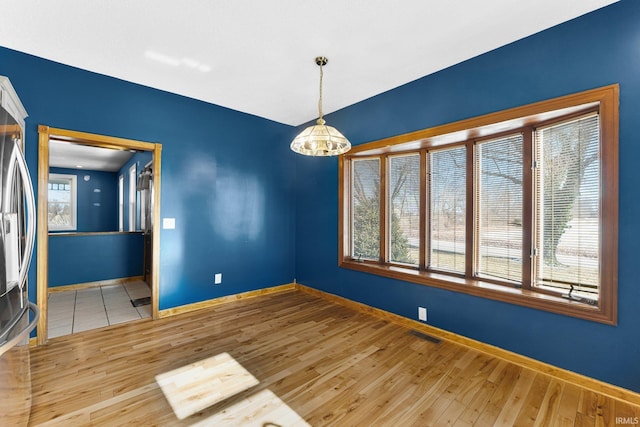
257, 56
76, 156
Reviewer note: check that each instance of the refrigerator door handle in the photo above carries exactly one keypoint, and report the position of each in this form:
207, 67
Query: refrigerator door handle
8, 345
30, 212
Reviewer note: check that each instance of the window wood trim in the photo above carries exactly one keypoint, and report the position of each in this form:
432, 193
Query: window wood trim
605, 99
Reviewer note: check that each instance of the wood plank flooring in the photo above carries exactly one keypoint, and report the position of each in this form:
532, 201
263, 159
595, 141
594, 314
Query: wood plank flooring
316, 363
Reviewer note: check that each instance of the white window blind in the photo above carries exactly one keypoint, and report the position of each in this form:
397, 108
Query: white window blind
447, 209
567, 213
404, 209
365, 213
498, 197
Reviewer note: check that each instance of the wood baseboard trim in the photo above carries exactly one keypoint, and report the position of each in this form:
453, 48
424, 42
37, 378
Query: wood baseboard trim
225, 299
87, 285
580, 380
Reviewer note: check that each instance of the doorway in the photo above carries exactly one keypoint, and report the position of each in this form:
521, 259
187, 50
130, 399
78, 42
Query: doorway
49, 136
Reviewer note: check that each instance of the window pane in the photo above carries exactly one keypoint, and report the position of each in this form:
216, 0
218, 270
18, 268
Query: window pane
61, 210
404, 194
132, 198
568, 209
365, 201
499, 214
121, 203
447, 208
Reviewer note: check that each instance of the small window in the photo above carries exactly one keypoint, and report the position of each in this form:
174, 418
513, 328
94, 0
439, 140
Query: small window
132, 197
62, 202
121, 203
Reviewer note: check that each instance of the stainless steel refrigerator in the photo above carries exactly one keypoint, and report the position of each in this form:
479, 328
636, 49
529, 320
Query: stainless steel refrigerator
18, 316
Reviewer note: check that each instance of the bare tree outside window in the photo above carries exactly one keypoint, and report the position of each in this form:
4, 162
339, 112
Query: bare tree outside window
567, 211
366, 210
365, 192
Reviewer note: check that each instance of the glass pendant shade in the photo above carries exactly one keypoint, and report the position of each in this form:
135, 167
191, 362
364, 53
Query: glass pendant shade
320, 140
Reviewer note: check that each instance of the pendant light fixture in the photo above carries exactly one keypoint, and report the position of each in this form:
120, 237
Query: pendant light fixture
320, 139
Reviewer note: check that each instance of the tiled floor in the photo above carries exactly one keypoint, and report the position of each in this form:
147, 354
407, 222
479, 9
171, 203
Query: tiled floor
84, 309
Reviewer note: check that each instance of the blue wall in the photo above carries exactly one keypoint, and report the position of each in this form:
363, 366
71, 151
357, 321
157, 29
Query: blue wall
592, 51
226, 175
112, 256
97, 210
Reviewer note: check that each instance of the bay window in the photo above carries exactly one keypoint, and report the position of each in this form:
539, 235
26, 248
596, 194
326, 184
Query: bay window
518, 206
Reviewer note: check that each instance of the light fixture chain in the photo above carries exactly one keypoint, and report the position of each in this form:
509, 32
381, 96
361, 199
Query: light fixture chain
320, 100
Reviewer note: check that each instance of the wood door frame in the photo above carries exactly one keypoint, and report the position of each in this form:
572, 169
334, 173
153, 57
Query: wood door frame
45, 133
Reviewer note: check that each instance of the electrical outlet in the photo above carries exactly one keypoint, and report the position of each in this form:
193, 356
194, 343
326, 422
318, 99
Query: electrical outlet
422, 314
218, 279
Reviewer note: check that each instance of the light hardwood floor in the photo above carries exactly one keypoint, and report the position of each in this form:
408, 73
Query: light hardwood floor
293, 359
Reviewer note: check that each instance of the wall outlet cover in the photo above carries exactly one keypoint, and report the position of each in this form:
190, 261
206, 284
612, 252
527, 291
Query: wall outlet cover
168, 223
422, 314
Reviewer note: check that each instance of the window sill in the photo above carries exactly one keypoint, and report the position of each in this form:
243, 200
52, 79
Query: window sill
522, 297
